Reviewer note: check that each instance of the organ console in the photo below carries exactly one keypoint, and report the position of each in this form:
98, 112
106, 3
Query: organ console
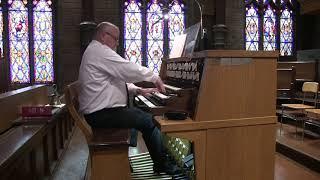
182, 78
230, 96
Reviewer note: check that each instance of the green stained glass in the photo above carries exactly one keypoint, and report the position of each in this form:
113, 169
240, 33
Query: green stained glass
132, 31
155, 25
176, 21
43, 41
18, 41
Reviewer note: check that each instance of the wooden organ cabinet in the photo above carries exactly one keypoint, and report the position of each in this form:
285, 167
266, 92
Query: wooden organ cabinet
230, 96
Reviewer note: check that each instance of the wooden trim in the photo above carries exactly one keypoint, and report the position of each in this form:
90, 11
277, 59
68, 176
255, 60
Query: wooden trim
199, 140
190, 125
12, 101
236, 54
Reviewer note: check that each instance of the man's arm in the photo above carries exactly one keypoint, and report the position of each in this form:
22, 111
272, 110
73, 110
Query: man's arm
129, 72
133, 89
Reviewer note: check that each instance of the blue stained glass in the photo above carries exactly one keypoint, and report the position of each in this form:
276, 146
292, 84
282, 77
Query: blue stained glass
266, 1
269, 30
155, 25
176, 21
18, 41
132, 31
252, 29
286, 33
43, 41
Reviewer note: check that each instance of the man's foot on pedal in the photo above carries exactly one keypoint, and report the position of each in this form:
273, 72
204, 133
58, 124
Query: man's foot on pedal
168, 168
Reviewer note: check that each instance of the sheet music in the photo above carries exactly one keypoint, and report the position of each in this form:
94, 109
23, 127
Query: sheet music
178, 46
191, 41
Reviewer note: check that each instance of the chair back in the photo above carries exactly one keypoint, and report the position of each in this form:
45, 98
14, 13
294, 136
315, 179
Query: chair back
310, 87
71, 97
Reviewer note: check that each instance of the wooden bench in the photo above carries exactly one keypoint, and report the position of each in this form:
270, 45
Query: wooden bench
44, 143
305, 70
285, 85
21, 153
108, 148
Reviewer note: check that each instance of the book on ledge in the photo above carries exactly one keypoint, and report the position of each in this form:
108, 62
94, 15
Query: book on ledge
36, 111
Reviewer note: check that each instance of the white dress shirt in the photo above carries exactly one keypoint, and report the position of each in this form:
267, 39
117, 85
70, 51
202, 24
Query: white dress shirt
102, 77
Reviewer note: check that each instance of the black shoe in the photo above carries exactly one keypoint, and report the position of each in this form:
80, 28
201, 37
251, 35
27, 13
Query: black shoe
168, 168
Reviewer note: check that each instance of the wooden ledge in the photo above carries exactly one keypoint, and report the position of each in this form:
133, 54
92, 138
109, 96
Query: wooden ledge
15, 141
109, 138
166, 125
56, 112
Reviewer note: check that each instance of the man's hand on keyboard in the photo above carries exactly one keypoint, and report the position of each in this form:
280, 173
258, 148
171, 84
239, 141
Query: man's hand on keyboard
146, 91
160, 86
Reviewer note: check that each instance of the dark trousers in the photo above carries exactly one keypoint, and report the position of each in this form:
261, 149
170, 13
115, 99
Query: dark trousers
123, 117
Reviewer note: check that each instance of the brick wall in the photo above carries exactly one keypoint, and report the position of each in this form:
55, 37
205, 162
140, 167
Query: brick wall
235, 21
68, 41
107, 10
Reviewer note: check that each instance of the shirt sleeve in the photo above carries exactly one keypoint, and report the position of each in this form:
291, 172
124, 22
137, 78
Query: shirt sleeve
123, 69
132, 88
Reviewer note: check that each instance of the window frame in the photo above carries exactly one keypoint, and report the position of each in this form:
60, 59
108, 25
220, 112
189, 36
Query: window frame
277, 6
5, 75
144, 4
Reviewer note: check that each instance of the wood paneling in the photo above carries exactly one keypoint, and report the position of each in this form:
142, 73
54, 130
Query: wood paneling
13, 100
248, 153
305, 70
237, 91
233, 130
111, 164
310, 6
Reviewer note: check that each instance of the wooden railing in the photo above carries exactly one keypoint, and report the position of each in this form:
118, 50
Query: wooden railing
31, 148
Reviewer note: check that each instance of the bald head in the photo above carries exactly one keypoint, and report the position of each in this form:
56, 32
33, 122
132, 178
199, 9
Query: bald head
107, 34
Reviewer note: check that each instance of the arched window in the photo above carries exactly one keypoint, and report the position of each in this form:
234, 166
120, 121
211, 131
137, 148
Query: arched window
149, 30
132, 31
18, 41
286, 28
43, 41
29, 32
269, 26
155, 32
252, 27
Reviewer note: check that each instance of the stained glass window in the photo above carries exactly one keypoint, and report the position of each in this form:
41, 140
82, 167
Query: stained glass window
176, 21
132, 31
269, 30
252, 28
286, 36
155, 32
266, 1
43, 41
19, 41
146, 20
277, 31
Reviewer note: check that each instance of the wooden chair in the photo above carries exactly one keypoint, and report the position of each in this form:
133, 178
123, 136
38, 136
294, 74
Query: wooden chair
108, 147
298, 109
313, 118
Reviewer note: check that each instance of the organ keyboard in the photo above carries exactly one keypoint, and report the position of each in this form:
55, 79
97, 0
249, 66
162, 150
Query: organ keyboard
182, 79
